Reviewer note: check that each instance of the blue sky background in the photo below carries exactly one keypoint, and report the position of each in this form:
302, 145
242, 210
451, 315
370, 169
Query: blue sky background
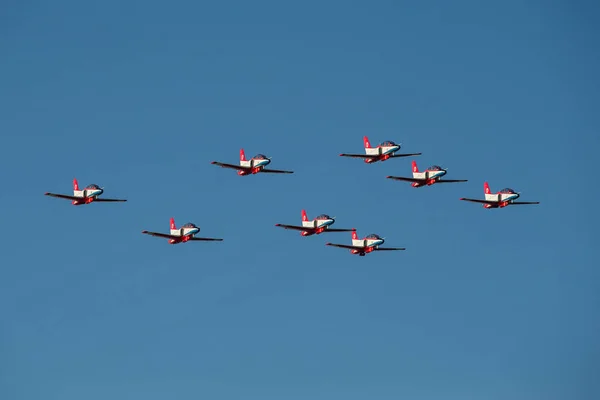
140, 96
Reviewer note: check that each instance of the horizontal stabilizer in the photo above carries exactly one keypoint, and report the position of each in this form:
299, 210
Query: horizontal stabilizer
345, 246
232, 166
294, 227
401, 178
479, 201
162, 235
357, 155
62, 196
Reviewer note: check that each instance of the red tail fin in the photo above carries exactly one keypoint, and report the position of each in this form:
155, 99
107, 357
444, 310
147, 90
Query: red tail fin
414, 166
304, 216
75, 184
486, 188
173, 223
242, 155
366, 142
354, 235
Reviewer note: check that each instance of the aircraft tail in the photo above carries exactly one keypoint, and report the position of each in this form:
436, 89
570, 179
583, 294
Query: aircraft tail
242, 155
354, 235
415, 168
304, 216
366, 142
486, 188
173, 226
75, 184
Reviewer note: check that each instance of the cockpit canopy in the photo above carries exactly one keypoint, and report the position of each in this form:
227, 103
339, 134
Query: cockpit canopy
388, 143
323, 216
260, 157
435, 168
93, 187
189, 225
507, 191
373, 236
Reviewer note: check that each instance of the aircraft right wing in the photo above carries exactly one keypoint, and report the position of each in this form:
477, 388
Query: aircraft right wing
358, 155
162, 235
294, 227
107, 200
62, 196
390, 248
206, 239
401, 178
338, 230
276, 171
518, 203
479, 201
451, 180
404, 155
232, 166
345, 246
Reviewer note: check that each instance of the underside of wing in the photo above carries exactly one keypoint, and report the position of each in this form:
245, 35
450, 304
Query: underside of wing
162, 235
451, 180
276, 171
389, 248
479, 201
108, 200
338, 230
294, 227
344, 246
517, 203
232, 166
357, 155
62, 196
404, 155
401, 178
206, 239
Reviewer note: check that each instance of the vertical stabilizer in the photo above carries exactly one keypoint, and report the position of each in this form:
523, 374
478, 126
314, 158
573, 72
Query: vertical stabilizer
173, 224
354, 235
242, 155
304, 216
75, 184
486, 188
366, 142
415, 168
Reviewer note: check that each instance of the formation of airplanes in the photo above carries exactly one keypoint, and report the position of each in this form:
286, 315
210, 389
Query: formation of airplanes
323, 223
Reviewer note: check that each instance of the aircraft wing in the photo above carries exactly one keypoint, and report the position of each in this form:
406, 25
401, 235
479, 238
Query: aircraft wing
404, 155
162, 235
345, 246
294, 227
401, 178
479, 201
276, 171
107, 200
451, 180
63, 196
389, 248
232, 166
524, 202
338, 230
206, 239
358, 155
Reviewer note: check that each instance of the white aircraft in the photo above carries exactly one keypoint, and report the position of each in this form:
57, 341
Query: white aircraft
366, 245
430, 176
88, 195
382, 152
503, 198
184, 234
320, 224
253, 166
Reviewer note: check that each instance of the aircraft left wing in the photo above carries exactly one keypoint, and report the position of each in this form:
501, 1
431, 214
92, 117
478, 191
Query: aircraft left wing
206, 239
62, 196
232, 166
345, 246
401, 178
107, 200
389, 248
479, 201
451, 180
518, 203
276, 171
339, 230
404, 155
162, 235
294, 227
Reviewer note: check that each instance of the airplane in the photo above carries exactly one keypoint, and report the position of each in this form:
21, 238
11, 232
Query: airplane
318, 225
86, 196
253, 166
430, 176
366, 245
503, 198
184, 234
382, 152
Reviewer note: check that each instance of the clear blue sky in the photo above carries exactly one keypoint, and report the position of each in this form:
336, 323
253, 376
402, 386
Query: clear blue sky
140, 96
